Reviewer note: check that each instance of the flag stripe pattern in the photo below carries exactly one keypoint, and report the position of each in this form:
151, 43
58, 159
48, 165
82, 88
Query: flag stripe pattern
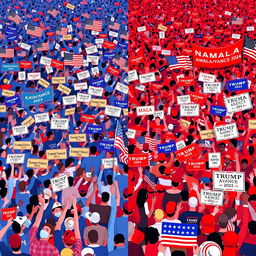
179, 234
75, 60
179, 62
250, 47
34, 31
6, 53
95, 25
121, 143
14, 17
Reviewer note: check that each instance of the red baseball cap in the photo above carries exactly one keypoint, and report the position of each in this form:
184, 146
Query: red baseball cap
69, 237
161, 157
15, 241
171, 207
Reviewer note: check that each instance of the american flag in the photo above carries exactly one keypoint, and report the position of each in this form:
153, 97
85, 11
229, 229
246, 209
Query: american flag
61, 31
42, 47
150, 179
250, 47
6, 53
121, 143
151, 142
14, 17
114, 25
86, 15
95, 25
118, 60
22, 54
179, 62
179, 234
124, 35
75, 60
237, 21
53, 12
34, 31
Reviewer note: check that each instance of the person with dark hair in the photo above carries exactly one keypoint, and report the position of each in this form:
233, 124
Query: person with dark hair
121, 249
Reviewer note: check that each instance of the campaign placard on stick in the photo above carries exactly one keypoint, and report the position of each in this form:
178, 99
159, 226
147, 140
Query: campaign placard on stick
19, 130
187, 152
8, 213
226, 132
210, 197
15, 158
237, 85
229, 181
37, 163
59, 123
52, 154
145, 110
59, 183
106, 145
109, 163
238, 103
214, 160
167, 147
189, 110
113, 111
137, 160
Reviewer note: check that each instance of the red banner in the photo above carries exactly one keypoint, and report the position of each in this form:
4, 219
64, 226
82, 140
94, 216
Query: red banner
108, 45
113, 71
187, 152
87, 119
196, 165
8, 213
136, 160
218, 57
198, 98
57, 64
25, 64
186, 82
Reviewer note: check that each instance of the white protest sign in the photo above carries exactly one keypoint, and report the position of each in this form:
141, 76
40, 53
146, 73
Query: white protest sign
82, 97
69, 100
113, 111
212, 88
83, 75
180, 144
39, 118
132, 75
59, 183
59, 123
131, 133
161, 34
34, 76
122, 88
159, 113
214, 160
141, 29
15, 158
189, 31
109, 162
226, 132
208, 78
45, 61
210, 197
80, 86
229, 181
238, 103
145, 110
236, 36
25, 46
183, 99
19, 130
140, 87
96, 91
189, 110
22, 75
250, 28
146, 78
91, 49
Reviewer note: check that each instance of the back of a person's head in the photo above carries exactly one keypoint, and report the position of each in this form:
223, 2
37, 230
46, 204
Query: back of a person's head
223, 220
93, 236
119, 239
15, 242
252, 227
151, 235
178, 253
105, 197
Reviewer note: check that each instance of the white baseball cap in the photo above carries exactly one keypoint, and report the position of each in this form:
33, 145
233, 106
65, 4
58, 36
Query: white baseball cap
193, 202
21, 220
47, 193
56, 205
210, 248
69, 223
93, 217
87, 251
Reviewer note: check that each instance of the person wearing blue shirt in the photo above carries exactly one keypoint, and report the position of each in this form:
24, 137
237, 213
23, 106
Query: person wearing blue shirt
121, 249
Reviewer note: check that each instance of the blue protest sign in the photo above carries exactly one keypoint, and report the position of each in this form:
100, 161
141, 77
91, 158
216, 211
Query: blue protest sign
109, 55
218, 110
237, 85
98, 82
10, 67
14, 100
167, 147
121, 104
106, 146
30, 99
91, 129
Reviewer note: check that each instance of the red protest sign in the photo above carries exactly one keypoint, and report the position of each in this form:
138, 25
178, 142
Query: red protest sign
196, 165
57, 64
136, 60
186, 81
103, 36
87, 118
51, 33
5, 86
187, 152
25, 64
217, 57
108, 45
113, 71
197, 98
8, 213
136, 160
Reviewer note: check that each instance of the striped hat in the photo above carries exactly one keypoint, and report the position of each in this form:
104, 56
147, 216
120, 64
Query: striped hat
210, 248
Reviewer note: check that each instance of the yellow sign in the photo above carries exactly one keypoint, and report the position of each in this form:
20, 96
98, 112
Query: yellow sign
252, 123
29, 121
161, 27
52, 154
70, 6
69, 111
22, 145
2, 108
64, 89
8, 93
59, 80
43, 82
67, 37
77, 137
207, 134
79, 152
37, 163
99, 103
